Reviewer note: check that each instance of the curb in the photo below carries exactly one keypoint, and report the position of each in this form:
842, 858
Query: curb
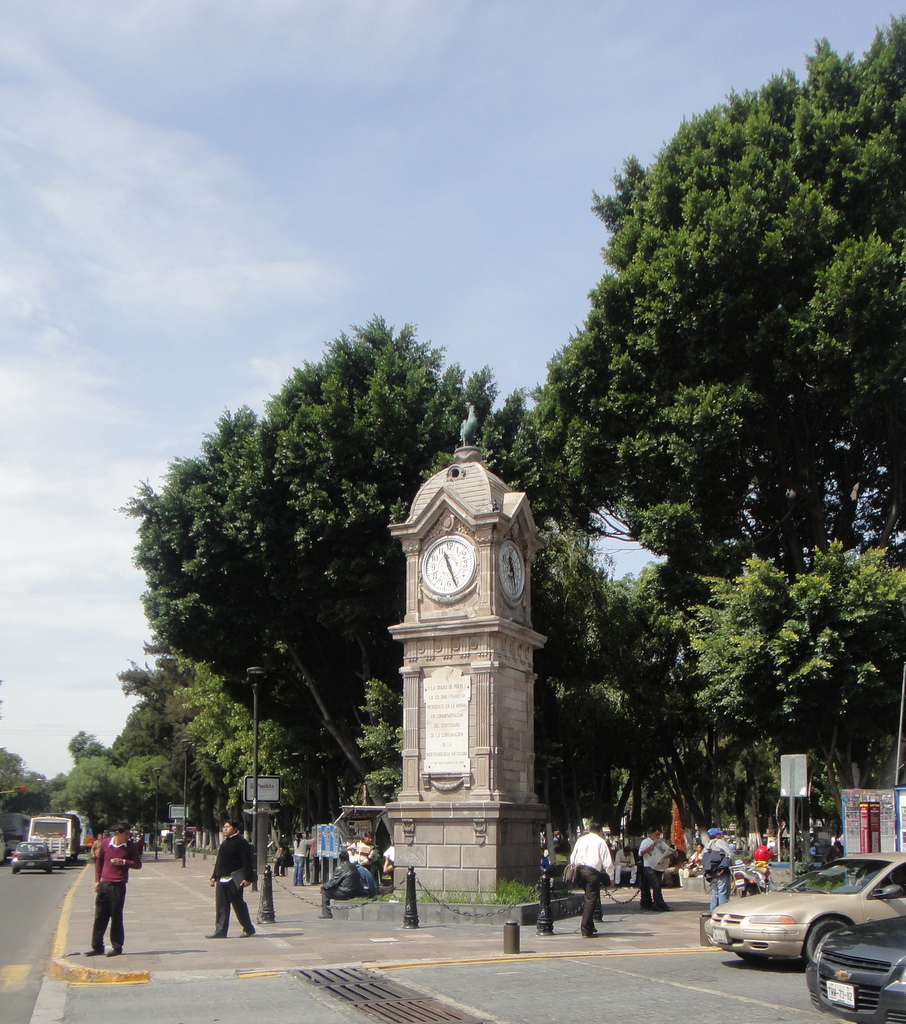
66, 971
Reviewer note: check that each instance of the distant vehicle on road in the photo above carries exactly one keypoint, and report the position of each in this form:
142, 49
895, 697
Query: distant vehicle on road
61, 832
857, 973
85, 837
32, 856
14, 827
791, 922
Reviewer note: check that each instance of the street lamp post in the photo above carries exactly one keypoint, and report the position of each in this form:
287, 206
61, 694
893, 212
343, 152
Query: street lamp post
145, 783
156, 839
255, 674
185, 796
896, 780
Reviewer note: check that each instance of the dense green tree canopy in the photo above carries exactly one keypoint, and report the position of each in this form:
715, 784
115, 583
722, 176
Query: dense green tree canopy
272, 546
814, 663
738, 386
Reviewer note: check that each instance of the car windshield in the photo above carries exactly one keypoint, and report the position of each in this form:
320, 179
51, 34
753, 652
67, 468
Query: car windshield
30, 848
843, 876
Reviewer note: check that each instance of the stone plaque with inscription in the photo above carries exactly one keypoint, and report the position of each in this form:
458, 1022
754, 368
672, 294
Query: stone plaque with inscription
446, 693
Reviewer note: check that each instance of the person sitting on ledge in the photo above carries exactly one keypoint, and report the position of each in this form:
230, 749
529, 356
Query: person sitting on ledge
344, 885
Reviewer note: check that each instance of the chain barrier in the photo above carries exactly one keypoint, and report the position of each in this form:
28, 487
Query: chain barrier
502, 909
621, 903
535, 891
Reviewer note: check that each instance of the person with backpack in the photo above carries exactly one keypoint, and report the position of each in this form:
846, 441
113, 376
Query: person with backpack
717, 859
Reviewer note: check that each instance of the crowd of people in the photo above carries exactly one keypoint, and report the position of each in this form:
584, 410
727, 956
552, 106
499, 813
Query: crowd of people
595, 861
651, 867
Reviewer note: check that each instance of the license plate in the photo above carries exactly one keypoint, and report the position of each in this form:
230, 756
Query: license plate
845, 995
720, 936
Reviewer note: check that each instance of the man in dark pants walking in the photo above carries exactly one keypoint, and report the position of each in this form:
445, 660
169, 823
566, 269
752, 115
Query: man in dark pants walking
115, 856
232, 873
594, 864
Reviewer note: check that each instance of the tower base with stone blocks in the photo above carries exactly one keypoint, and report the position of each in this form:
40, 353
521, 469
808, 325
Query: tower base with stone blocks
467, 846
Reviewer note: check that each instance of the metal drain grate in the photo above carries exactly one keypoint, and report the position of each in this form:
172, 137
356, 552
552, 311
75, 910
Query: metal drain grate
385, 1000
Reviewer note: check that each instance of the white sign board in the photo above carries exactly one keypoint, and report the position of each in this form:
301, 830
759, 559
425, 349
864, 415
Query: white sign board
268, 789
793, 775
446, 693
177, 812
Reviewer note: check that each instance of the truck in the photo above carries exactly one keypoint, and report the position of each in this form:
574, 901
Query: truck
61, 832
15, 830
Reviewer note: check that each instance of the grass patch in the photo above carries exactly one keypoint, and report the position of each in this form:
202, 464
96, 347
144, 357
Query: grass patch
508, 893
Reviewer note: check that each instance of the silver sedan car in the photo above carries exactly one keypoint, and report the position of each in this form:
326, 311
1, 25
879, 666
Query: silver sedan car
791, 922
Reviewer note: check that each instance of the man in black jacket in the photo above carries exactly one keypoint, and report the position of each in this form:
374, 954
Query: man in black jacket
232, 873
345, 884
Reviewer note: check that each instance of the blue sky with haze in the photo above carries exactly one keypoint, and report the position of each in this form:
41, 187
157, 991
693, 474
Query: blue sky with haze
195, 195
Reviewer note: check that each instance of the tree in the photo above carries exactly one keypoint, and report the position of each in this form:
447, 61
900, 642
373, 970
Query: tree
12, 770
100, 790
619, 733
739, 384
84, 745
814, 663
271, 547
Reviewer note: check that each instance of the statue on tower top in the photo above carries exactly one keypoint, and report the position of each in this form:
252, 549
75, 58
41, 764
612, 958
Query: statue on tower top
468, 429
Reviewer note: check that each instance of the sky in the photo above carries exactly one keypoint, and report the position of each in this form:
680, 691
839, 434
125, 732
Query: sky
195, 195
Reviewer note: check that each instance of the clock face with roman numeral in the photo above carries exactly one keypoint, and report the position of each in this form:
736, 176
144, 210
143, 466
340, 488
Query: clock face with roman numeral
448, 566
512, 570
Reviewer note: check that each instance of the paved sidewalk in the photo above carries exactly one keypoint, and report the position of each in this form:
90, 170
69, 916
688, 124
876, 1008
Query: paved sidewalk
170, 909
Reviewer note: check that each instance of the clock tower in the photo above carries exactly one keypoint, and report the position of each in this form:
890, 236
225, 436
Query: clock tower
467, 813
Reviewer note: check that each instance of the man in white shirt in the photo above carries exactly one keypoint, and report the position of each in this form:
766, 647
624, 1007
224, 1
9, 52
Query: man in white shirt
624, 867
655, 855
593, 861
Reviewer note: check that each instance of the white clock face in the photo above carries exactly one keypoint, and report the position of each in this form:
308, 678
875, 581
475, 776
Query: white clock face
449, 565
512, 570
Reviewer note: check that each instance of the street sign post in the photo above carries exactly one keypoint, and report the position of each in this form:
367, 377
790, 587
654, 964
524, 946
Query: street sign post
793, 783
269, 789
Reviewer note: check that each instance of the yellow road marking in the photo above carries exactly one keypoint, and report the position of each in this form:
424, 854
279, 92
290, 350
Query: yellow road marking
13, 977
59, 942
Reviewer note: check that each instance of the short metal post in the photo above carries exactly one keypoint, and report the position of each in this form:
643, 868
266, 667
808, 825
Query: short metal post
511, 937
545, 922
410, 915
266, 902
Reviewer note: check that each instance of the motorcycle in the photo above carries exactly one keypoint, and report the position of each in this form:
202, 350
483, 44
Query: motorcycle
751, 879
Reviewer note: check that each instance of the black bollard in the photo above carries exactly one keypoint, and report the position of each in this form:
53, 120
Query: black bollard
266, 903
545, 922
410, 916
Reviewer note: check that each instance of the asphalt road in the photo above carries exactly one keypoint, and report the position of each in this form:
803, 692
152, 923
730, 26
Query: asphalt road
704, 987
30, 905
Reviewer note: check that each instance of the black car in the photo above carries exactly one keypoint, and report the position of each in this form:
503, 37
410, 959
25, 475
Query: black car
858, 973
32, 855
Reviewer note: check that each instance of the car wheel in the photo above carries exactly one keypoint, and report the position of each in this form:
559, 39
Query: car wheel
15, 871
819, 931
